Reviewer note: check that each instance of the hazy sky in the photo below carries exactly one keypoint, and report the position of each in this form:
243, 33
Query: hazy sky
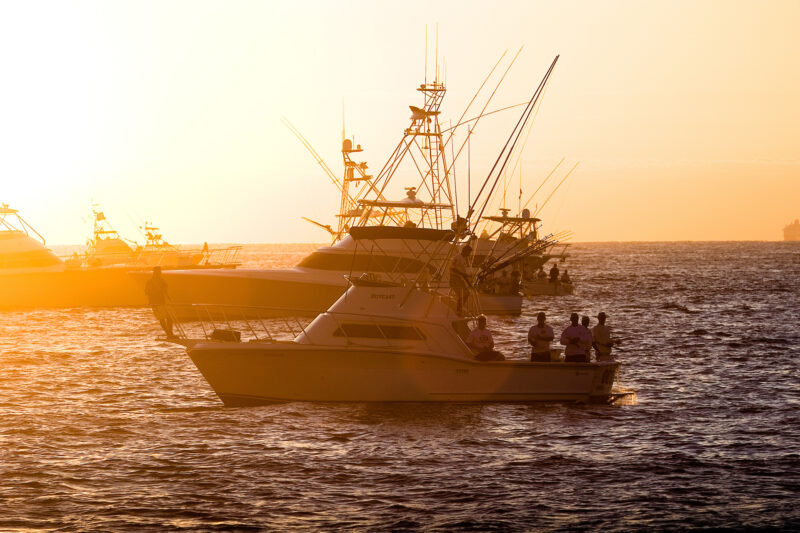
685, 116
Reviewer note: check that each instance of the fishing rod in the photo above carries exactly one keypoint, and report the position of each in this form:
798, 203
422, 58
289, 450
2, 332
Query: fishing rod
515, 134
524, 245
482, 113
458, 122
464, 122
483, 110
528, 201
518, 162
543, 182
540, 246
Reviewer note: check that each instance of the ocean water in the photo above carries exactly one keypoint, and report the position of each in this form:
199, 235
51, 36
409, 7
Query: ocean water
103, 427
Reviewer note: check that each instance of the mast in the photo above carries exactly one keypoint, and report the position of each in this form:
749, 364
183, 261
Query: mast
355, 174
422, 143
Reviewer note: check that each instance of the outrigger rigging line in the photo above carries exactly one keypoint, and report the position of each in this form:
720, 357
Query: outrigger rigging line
505, 153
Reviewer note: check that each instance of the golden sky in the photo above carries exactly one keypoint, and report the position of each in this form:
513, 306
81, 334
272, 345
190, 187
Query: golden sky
685, 115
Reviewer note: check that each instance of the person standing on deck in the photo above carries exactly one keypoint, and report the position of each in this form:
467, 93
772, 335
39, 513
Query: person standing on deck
575, 337
602, 339
554, 278
539, 337
156, 291
587, 345
459, 277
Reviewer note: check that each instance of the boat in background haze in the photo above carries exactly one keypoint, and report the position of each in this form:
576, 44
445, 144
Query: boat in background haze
792, 231
106, 247
31, 275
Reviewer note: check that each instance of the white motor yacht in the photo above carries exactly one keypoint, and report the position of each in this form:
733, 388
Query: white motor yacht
381, 342
22, 248
322, 277
107, 247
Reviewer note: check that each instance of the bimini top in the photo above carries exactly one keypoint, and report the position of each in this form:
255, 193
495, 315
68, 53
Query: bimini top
22, 248
400, 232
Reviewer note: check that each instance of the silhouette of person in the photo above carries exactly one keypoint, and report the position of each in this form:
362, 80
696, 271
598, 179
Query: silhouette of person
156, 291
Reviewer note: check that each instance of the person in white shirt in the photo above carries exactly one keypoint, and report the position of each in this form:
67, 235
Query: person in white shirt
459, 277
575, 338
602, 339
539, 337
481, 342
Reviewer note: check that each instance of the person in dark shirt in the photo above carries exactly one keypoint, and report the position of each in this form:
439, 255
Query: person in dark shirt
554, 278
459, 276
156, 291
554, 273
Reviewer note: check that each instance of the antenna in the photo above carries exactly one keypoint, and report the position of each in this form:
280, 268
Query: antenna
519, 198
469, 166
437, 53
426, 54
343, 136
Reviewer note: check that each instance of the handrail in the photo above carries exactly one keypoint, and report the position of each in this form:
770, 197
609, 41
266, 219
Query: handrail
212, 317
254, 318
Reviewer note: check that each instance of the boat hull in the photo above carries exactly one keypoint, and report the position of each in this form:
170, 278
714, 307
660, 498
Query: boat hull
243, 374
255, 294
494, 304
115, 286
545, 288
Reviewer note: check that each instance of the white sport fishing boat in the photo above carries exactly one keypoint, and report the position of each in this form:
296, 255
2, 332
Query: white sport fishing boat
107, 247
22, 248
380, 342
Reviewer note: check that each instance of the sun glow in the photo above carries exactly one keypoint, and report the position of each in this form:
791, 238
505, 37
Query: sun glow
684, 117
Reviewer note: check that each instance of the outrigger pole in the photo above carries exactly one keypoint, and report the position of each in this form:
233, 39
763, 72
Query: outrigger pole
557, 186
481, 114
515, 135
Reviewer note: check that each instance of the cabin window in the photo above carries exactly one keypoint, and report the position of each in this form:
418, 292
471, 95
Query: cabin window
366, 331
383, 331
402, 332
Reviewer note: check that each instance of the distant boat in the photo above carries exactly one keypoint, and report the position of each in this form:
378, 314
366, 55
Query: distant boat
106, 247
31, 275
792, 231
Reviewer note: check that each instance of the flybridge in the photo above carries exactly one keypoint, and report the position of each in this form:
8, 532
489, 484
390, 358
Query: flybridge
10, 220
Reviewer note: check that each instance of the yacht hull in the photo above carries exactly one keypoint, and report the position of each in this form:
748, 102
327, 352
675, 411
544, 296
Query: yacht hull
113, 286
545, 288
264, 293
245, 374
493, 304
